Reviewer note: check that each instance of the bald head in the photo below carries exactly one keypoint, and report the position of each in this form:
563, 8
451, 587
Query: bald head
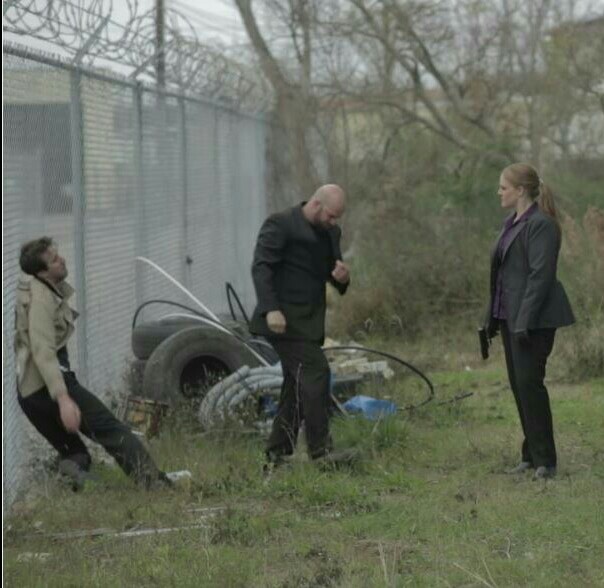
332, 197
325, 206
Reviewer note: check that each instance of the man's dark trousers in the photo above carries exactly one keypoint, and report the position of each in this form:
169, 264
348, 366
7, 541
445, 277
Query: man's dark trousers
98, 424
526, 361
304, 396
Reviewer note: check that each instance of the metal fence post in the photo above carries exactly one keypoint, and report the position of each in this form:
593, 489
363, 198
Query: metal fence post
79, 216
139, 204
187, 260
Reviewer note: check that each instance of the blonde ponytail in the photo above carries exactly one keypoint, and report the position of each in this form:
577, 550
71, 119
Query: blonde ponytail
546, 202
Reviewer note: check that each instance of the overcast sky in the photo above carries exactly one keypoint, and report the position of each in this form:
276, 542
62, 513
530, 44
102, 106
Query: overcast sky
211, 19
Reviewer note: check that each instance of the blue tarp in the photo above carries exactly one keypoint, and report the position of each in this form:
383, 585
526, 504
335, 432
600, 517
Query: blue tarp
371, 408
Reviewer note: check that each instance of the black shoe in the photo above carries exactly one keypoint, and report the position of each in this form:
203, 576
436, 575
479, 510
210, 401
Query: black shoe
337, 459
81, 459
277, 459
544, 472
273, 462
75, 474
521, 468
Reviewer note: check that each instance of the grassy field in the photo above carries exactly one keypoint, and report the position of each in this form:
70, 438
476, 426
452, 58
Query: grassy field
428, 505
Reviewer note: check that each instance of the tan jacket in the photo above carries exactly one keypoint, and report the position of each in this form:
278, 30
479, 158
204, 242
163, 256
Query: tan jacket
44, 321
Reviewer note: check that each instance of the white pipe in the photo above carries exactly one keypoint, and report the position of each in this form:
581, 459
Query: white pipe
179, 286
202, 306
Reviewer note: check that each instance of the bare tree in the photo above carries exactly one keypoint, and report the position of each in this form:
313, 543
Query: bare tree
473, 72
422, 74
292, 83
498, 80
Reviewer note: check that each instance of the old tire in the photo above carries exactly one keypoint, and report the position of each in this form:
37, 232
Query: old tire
189, 362
146, 337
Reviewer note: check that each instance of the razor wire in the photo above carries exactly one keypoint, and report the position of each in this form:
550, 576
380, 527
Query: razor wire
89, 32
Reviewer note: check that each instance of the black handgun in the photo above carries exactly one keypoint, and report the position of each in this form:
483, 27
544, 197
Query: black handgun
485, 342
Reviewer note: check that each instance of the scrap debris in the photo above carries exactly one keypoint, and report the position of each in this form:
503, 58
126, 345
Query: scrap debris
28, 556
203, 516
354, 361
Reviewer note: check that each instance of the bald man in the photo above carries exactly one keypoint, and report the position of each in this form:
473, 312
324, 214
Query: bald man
297, 252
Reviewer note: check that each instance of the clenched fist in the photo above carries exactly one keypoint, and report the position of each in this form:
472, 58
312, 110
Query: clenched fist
276, 322
341, 273
69, 412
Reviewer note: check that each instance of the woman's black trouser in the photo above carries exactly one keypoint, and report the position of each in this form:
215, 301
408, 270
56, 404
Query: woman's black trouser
304, 396
98, 424
526, 361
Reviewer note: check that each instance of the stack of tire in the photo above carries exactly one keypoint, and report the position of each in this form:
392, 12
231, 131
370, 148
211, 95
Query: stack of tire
179, 358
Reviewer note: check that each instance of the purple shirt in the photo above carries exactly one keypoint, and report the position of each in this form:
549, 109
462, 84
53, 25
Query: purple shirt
499, 310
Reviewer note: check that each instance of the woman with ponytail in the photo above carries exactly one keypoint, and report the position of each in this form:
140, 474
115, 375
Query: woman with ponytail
527, 305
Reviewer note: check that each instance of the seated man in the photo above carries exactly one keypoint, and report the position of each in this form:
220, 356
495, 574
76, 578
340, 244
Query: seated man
48, 392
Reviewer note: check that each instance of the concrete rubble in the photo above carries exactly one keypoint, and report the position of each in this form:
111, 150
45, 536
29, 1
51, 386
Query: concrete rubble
351, 362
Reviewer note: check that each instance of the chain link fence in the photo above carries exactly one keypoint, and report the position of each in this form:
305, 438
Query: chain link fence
113, 170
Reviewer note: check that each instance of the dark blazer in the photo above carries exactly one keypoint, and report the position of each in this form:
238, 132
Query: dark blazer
534, 298
290, 270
